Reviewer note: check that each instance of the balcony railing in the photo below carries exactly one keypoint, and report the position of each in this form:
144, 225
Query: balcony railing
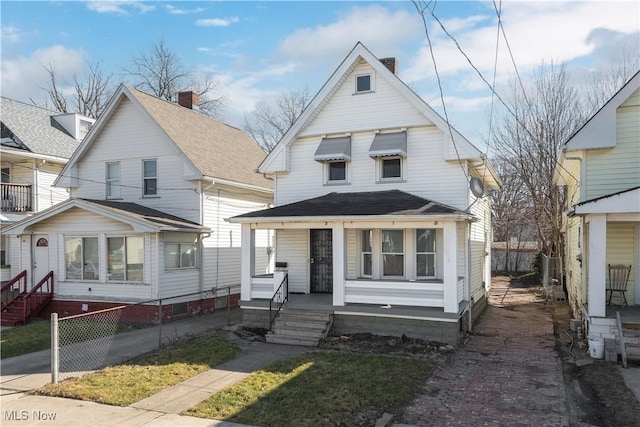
16, 197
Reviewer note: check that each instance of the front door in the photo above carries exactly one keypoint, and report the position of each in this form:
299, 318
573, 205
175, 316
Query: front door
321, 261
41, 257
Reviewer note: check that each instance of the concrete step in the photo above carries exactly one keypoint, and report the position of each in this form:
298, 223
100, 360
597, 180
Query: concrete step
274, 339
305, 315
298, 333
301, 324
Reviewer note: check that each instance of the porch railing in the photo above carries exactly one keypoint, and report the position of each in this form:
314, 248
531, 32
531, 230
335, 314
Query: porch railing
278, 299
13, 289
16, 197
37, 297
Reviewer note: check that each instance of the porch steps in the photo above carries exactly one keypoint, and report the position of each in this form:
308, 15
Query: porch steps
632, 343
300, 327
12, 314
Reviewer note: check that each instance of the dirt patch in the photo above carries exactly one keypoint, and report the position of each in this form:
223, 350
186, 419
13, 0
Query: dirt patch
392, 346
596, 391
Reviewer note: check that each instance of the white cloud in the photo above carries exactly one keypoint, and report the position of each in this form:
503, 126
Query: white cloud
118, 6
217, 22
176, 11
12, 34
379, 29
22, 78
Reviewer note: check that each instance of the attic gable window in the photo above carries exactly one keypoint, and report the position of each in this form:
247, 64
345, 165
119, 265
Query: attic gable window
364, 83
150, 177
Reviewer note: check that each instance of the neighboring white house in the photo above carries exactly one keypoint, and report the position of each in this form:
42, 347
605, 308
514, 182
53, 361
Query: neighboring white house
35, 144
150, 186
600, 165
373, 209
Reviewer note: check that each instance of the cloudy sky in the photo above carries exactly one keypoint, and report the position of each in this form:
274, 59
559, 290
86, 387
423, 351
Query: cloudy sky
258, 49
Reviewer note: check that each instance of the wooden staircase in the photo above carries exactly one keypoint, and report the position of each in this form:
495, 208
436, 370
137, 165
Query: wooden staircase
19, 304
300, 327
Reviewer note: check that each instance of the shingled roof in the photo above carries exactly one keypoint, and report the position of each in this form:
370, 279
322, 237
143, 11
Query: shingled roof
34, 129
215, 148
392, 202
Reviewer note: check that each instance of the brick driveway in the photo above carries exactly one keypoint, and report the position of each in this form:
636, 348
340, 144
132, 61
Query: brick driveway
507, 374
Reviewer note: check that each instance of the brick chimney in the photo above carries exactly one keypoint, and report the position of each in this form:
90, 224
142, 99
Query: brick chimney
189, 99
391, 64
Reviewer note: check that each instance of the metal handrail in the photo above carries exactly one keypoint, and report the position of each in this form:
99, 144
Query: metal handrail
279, 297
8, 294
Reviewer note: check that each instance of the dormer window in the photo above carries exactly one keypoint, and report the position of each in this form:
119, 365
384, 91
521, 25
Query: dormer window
84, 127
364, 83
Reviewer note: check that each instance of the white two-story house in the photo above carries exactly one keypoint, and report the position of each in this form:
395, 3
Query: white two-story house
149, 186
382, 211
35, 144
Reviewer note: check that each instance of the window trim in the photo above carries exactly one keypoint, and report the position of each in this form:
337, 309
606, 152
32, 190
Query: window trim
181, 267
380, 169
125, 262
434, 253
327, 172
371, 83
363, 253
145, 178
112, 183
82, 262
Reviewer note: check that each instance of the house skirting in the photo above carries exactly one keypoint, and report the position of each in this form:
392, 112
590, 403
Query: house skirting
444, 330
140, 313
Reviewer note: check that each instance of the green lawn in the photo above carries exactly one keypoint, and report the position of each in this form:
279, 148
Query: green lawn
320, 388
23, 339
147, 374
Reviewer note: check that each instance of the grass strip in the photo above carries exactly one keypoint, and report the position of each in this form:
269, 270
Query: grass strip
147, 374
23, 339
319, 388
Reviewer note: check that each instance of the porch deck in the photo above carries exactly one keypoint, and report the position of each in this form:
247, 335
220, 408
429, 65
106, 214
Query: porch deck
629, 316
325, 302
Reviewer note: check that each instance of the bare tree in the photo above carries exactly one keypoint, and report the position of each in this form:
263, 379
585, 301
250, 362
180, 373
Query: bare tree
87, 94
268, 123
530, 139
160, 72
604, 84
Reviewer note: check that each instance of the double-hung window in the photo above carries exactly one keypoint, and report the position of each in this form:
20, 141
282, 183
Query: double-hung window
366, 253
425, 252
337, 171
180, 255
113, 180
125, 258
82, 260
393, 253
150, 177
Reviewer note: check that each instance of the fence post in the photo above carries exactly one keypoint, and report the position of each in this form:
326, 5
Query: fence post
55, 348
228, 305
160, 323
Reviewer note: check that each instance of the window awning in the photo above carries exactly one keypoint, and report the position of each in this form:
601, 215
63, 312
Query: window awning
334, 149
389, 144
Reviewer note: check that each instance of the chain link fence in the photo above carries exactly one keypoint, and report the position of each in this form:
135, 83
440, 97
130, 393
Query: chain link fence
93, 340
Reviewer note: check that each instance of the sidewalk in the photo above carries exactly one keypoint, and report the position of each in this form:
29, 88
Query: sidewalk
25, 373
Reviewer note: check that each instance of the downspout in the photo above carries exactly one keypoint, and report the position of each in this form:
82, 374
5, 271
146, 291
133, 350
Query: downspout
468, 278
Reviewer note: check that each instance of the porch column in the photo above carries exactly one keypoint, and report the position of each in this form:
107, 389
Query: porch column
450, 270
248, 249
596, 283
338, 264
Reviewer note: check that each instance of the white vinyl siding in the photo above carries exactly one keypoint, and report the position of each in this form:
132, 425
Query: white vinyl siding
129, 137
425, 152
45, 194
293, 248
384, 108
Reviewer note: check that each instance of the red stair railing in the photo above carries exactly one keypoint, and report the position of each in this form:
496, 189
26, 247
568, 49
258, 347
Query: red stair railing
11, 291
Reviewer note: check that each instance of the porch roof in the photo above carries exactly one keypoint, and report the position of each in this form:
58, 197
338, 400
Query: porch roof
141, 218
375, 203
626, 201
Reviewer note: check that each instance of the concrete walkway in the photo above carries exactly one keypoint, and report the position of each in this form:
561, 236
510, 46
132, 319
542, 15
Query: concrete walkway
507, 374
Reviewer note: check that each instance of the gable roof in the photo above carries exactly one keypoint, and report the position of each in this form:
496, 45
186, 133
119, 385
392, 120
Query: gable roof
458, 147
372, 203
141, 218
34, 129
218, 151
600, 130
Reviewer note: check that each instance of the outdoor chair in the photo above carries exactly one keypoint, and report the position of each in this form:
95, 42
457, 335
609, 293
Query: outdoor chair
618, 279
